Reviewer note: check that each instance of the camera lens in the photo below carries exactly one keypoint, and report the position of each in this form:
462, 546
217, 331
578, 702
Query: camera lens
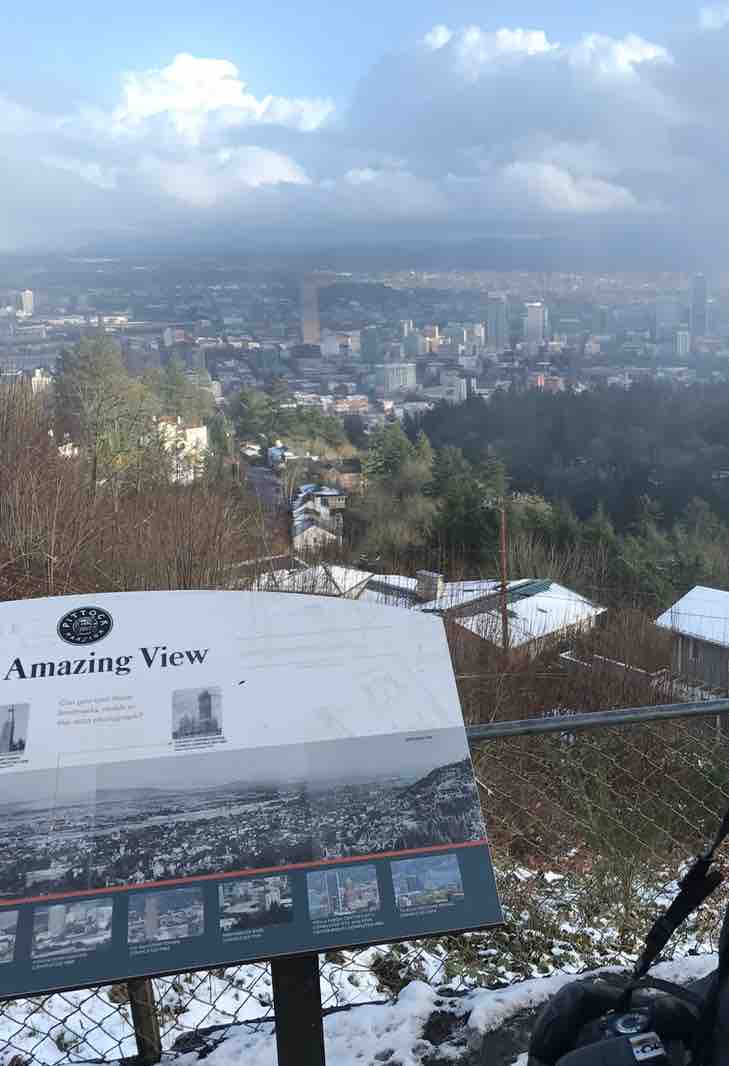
630, 1024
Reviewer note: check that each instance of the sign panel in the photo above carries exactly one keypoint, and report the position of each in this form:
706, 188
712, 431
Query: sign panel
191, 779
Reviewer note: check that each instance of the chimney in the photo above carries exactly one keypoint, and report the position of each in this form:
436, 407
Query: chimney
430, 586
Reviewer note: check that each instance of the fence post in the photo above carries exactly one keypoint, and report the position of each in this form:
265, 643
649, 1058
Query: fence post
145, 1020
297, 1001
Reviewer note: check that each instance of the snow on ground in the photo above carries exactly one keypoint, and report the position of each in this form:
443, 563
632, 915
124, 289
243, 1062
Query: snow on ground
559, 926
391, 1032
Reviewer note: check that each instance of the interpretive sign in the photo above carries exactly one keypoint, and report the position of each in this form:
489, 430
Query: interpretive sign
190, 779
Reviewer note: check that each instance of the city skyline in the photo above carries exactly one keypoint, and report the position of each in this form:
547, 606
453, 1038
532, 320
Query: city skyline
137, 835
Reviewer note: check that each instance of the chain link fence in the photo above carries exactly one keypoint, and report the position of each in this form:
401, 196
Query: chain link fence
590, 830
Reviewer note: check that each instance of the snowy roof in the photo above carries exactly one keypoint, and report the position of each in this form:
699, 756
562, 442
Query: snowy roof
315, 580
459, 593
390, 590
545, 612
702, 613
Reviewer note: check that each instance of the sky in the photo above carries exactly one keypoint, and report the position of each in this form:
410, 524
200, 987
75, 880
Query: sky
304, 123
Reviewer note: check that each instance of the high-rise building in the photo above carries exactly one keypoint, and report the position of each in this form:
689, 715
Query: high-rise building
151, 917
27, 301
497, 322
204, 707
682, 342
57, 920
369, 343
406, 327
394, 377
415, 345
699, 324
310, 332
7, 734
536, 322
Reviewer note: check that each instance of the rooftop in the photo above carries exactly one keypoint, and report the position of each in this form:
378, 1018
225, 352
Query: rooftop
702, 613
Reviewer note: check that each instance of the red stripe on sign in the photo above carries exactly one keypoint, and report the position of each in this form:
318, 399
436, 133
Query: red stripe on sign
246, 873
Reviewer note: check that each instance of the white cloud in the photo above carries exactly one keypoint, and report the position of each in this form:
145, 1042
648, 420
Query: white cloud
464, 128
436, 38
191, 92
205, 181
554, 189
608, 55
715, 17
477, 50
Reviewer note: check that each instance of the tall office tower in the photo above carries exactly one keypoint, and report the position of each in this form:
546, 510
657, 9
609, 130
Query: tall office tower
682, 342
151, 917
699, 324
27, 301
369, 344
406, 327
536, 322
497, 322
57, 920
310, 333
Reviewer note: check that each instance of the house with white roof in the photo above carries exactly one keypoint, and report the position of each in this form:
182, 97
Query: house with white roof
538, 612
538, 615
699, 623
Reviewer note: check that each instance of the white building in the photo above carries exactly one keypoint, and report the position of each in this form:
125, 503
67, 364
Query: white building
682, 342
394, 377
536, 323
27, 301
186, 444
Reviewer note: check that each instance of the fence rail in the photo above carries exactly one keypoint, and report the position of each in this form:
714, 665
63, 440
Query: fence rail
591, 816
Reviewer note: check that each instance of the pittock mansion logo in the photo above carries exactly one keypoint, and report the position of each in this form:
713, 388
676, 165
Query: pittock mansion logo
85, 625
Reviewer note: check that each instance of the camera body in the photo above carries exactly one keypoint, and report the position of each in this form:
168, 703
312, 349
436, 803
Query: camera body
629, 1038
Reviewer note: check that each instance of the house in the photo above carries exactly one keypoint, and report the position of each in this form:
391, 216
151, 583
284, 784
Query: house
699, 622
309, 532
344, 582
540, 613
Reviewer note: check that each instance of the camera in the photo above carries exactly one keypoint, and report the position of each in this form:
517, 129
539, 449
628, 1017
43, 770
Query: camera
645, 1034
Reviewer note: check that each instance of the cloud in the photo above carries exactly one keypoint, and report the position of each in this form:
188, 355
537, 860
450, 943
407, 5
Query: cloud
192, 92
466, 130
436, 38
555, 189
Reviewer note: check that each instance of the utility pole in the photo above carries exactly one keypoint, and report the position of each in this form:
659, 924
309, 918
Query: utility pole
504, 587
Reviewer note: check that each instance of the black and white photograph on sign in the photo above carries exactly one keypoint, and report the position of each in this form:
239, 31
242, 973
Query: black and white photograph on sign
8, 927
343, 890
168, 914
14, 728
197, 712
234, 811
249, 903
72, 928
429, 881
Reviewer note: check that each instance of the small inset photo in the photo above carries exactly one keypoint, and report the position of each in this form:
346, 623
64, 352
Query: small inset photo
8, 926
342, 891
197, 712
168, 914
433, 881
255, 902
72, 928
13, 728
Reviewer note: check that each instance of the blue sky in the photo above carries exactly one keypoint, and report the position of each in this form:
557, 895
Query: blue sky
78, 49
314, 123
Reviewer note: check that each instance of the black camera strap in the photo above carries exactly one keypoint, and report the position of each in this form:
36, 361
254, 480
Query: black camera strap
696, 886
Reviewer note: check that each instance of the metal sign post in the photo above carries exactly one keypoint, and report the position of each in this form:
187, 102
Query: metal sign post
297, 1001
